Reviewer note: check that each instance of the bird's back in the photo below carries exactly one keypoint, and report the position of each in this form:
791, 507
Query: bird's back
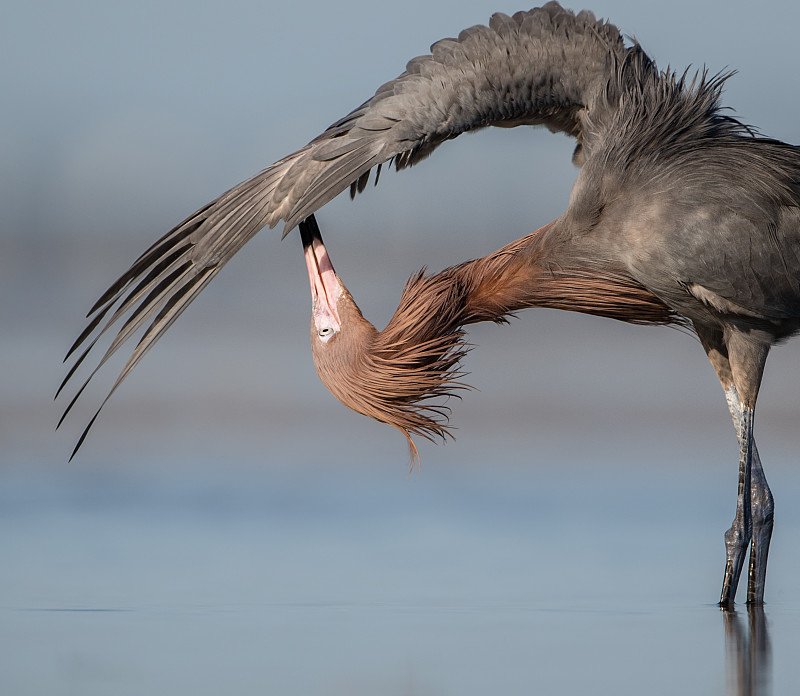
691, 203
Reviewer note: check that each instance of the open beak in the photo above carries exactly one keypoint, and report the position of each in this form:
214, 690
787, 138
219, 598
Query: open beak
325, 286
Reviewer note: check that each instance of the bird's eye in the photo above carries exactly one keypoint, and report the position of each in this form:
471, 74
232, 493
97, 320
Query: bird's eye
325, 333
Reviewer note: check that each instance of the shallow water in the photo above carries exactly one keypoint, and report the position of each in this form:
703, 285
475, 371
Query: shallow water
370, 582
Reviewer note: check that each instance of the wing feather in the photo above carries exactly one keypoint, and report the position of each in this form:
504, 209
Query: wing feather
539, 67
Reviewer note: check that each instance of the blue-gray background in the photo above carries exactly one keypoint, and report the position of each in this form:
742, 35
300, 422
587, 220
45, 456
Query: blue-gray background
225, 505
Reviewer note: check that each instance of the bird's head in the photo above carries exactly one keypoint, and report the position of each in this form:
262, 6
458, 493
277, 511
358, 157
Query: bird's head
391, 375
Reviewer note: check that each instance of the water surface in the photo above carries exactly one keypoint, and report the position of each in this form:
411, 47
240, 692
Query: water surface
371, 582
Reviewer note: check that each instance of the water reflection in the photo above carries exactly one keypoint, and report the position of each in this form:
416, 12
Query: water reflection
748, 655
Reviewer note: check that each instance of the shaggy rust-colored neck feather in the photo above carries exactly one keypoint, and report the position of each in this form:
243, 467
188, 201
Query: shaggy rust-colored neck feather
399, 375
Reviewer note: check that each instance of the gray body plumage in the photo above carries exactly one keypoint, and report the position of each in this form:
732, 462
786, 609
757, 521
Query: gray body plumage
689, 202
673, 197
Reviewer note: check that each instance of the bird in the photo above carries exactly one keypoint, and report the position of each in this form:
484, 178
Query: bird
680, 215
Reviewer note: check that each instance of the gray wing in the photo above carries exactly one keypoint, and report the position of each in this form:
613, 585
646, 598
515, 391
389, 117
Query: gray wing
544, 66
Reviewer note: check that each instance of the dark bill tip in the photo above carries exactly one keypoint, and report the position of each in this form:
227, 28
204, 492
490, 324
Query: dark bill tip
309, 231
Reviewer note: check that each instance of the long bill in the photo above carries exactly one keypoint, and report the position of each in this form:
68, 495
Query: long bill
325, 286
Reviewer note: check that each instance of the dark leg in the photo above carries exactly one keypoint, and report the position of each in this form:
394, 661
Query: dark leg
752, 524
762, 509
737, 538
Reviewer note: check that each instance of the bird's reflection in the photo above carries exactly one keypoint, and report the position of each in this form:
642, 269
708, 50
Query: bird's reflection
748, 653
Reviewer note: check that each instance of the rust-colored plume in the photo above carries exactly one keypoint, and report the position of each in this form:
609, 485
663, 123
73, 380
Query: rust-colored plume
401, 375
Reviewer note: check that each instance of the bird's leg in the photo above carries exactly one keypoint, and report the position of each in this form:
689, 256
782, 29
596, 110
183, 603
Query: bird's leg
740, 532
754, 506
762, 508
761, 511
746, 357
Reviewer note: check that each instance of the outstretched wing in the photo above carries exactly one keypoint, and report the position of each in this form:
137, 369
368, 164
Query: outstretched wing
545, 66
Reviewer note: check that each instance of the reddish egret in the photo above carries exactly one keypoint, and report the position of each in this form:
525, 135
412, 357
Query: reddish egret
679, 215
